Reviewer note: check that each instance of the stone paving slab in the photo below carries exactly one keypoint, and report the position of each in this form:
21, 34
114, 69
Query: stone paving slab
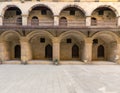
59, 79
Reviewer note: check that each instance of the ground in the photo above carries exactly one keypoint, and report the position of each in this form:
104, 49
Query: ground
59, 79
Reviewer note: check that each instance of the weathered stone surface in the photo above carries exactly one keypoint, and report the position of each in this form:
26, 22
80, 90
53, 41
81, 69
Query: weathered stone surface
59, 79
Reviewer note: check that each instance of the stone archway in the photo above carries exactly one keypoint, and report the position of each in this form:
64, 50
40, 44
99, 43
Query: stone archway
104, 16
69, 41
78, 15
42, 13
104, 46
12, 16
10, 40
41, 45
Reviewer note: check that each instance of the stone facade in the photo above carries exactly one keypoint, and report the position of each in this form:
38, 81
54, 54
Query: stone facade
80, 31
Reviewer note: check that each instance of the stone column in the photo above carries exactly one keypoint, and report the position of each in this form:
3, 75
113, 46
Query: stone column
56, 20
88, 20
24, 20
112, 51
3, 51
1, 20
118, 21
56, 48
26, 53
87, 50
117, 57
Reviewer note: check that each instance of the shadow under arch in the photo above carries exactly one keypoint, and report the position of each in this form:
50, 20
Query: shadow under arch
40, 5
106, 6
74, 6
34, 33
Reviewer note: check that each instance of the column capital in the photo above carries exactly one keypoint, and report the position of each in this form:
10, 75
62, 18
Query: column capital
88, 40
88, 16
24, 39
24, 15
56, 40
56, 15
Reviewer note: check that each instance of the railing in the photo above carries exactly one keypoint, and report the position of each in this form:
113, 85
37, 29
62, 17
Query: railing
107, 23
76, 23
73, 23
50, 23
12, 22
36, 22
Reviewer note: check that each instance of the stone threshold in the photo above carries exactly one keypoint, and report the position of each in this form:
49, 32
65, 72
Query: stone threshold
50, 62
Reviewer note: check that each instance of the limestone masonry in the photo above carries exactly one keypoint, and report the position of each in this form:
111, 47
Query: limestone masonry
62, 30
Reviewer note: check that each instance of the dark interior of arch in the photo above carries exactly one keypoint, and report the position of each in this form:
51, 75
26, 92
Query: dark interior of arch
104, 9
18, 11
74, 9
41, 8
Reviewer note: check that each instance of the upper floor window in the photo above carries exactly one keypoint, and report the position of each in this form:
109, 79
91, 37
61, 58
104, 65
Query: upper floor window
95, 41
43, 12
101, 12
69, 40
42, 40
72, 12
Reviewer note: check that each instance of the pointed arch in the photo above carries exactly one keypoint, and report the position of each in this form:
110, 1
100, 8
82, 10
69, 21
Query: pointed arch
48, 51
17, 51
100, 51
75, 51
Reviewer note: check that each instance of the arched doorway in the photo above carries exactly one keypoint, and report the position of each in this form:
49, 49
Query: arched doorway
93, 21
48, 51
17, 51
100, 51
63, 21
75, 51
35, 20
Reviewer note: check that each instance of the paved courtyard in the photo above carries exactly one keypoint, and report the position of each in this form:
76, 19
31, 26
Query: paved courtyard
59, 79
